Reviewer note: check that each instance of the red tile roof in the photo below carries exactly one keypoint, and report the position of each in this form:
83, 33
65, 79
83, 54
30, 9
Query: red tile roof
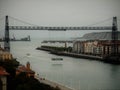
3, 72
24, 69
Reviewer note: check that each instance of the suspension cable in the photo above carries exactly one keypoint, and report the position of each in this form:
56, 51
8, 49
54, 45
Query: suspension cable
22, 21
1, 26
118, 19
2, 18
103, 21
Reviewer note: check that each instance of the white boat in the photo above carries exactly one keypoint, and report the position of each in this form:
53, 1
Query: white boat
57, 59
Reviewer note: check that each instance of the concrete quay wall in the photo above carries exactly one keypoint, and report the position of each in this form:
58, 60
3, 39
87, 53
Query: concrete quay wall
71, 54
108, 59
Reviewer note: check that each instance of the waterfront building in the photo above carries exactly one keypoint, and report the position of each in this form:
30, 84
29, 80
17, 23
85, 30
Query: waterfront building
88, 47
5, 55
1, 49
3, 78
26, 69
78, 46
95, 44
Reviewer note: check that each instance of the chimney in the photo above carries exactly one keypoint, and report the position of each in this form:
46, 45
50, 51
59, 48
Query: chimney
28, 65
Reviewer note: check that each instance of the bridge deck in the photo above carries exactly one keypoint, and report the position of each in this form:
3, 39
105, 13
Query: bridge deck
58, 28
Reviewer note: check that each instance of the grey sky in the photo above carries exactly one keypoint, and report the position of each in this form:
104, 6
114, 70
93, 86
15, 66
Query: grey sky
60, 13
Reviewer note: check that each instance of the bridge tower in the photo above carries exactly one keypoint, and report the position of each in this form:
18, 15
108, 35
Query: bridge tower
7, 40
114, 37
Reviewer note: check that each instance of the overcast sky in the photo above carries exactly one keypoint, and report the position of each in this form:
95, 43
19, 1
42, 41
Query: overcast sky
59, 13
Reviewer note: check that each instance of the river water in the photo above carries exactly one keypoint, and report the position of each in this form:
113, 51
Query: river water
80, 74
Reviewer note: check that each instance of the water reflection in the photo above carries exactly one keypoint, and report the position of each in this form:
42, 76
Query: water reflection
57, 64
115, 76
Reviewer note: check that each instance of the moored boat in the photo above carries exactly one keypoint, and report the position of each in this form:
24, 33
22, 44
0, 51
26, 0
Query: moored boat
57, 59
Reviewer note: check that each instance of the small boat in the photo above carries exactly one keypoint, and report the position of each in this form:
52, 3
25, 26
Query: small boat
28, 54
56, 59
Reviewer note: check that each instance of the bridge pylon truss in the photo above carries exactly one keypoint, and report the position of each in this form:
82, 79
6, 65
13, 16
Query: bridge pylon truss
7, 39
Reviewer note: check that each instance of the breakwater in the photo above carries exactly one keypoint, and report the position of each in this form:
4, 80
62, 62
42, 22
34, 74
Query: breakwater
107, 59
70, 54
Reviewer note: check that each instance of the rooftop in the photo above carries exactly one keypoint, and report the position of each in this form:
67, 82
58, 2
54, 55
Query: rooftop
22, 68
3, 72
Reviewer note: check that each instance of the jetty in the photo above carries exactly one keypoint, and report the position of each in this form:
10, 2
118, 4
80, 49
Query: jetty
14, 39
60, 41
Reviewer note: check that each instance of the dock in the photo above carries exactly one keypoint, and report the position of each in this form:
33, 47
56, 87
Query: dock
60, 41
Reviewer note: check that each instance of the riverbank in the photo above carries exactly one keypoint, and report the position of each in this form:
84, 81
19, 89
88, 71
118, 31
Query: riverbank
108, 59
53, 84
42, 83
21, 80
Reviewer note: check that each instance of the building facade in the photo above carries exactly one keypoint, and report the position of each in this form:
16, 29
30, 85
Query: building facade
78, 47
5, 55
95, 47
3, 79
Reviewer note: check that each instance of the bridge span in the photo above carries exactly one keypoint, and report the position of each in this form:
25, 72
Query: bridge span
113, 27
58, 28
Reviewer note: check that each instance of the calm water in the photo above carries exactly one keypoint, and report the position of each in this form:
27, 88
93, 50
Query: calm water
80, 74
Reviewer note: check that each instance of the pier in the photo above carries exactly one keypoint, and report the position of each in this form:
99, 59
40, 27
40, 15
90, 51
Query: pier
60, 41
